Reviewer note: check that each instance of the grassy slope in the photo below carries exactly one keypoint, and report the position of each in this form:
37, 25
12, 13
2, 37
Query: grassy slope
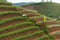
47, 8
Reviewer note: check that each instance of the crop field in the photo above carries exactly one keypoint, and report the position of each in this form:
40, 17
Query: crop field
16, 24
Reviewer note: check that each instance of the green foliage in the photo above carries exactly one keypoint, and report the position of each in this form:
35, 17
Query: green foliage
9, 12
3, 0
29, 35
16, 25
8, 7
12, 19
44, 20
17, 32
5, 3
51, 37
45, 37
42, 38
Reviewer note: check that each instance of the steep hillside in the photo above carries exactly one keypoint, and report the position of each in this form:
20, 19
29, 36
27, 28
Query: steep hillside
47, 8
17, 23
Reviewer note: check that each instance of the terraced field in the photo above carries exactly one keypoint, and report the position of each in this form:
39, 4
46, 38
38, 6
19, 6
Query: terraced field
17, 23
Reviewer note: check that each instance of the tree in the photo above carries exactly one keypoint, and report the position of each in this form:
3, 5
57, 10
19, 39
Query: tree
3, 0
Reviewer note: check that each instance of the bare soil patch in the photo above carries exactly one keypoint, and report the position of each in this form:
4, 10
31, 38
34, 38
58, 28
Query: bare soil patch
56, 37
53, 29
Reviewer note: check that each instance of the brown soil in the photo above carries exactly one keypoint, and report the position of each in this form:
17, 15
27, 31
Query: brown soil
42, 26
20, 34
56, 37
37, 20
33, 37
11, 23
48, 23
7, 9
46, 38
50, 30
9, 16
32, 15
40, 19
52, 23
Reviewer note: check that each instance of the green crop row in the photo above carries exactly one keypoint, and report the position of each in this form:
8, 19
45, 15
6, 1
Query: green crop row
9, 12
12, 19
16, 25
45, 37
28, 36
42, 38
17, 32
4, 3
8, 7
35, 17
57, 33
17, 7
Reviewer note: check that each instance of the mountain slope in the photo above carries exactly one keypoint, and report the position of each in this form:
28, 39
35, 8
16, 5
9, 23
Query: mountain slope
17, 23
47, 8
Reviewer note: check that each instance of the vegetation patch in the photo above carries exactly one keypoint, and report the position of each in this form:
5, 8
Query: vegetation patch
12, 19
29, 35
16, 25
9, 12
17, 31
